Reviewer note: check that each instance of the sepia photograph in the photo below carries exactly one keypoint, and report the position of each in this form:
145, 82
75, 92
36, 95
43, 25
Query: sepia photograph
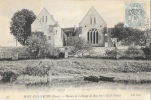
75, 50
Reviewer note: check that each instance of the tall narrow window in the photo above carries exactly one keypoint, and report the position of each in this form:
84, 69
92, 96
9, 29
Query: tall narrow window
91, 20
97, 37
91, 37
94, 37
94, 20
46, 18
43, 18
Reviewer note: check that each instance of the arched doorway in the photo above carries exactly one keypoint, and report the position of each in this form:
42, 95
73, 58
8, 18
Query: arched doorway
92, 36
61, 55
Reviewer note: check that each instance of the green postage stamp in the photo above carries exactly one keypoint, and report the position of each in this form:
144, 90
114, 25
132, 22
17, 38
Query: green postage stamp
135, 15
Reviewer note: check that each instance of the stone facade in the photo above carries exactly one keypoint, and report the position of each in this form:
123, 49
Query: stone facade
94, 29
45, 23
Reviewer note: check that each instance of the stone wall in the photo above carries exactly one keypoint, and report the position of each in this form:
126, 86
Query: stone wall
93, 21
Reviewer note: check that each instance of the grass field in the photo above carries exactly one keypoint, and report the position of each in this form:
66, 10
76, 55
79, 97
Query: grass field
137, 70
72, 70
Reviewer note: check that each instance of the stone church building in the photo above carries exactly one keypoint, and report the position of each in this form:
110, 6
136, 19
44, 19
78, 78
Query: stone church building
92, 28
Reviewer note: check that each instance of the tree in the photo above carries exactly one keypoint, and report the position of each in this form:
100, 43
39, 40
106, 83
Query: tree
82, 46
37, 45
20, 25
127, 35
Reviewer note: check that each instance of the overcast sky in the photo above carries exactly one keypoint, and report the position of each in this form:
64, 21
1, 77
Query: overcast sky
67, 12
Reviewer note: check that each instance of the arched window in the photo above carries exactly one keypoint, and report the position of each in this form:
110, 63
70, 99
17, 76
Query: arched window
92, 36
97, 37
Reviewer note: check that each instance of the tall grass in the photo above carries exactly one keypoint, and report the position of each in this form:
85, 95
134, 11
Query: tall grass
34, 70
78, 66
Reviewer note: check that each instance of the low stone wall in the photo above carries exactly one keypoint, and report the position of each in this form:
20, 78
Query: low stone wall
101, 50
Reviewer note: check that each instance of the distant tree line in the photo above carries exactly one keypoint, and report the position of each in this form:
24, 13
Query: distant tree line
127, 36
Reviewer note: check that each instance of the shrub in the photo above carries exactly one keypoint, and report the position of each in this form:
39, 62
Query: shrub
134, 53
81, 46
39, 70
53, 53
9, 76
147, 52
71, 50
37, 45
115, 54
132, 67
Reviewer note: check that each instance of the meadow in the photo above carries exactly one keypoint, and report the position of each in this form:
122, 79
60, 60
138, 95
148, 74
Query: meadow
70, 72
132, 70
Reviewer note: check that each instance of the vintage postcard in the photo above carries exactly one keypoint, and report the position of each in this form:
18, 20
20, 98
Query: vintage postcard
75, 50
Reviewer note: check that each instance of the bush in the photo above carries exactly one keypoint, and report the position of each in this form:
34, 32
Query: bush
9, 76
115, 54
71, 50
81, 46
147, 52
39, 70
133, 67
53, 53
134, 53
37, 45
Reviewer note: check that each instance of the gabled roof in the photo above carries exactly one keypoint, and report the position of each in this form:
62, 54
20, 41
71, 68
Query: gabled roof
37, 21
44, 9
93, 9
